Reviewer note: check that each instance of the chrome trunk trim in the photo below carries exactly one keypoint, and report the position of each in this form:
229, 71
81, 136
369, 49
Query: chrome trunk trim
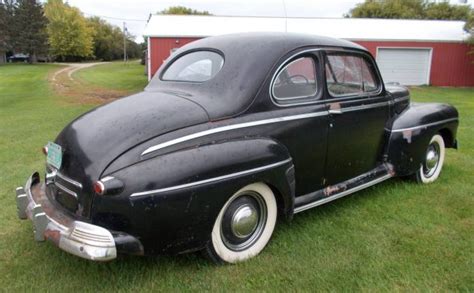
65, 189
69, 180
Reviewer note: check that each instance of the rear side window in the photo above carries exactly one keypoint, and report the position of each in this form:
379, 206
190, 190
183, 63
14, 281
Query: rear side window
296, 80
194, 67
349, 75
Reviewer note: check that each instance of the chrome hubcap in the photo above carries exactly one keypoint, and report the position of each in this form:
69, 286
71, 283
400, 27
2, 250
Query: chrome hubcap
431, 160
244, 221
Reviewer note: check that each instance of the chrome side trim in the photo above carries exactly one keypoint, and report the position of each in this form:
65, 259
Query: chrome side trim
363, 107
397, 100
65, 189
187, 185
107, 178
231, 127
335, 111
65, 178
342, 194
254, 123
424, 125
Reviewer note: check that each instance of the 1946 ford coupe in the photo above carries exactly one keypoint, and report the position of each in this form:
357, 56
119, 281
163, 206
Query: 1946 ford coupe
231, 134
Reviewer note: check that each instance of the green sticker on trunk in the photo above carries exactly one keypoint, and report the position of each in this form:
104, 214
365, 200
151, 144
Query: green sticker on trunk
55, 155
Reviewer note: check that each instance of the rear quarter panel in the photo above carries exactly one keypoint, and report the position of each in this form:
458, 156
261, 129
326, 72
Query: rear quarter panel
177, 220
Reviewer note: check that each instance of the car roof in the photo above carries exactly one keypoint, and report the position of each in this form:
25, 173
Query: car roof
285, 40
248, 59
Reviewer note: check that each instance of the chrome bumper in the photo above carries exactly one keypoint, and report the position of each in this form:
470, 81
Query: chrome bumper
79, 238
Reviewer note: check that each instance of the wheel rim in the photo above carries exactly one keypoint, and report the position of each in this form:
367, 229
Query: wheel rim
243, 221
432, 158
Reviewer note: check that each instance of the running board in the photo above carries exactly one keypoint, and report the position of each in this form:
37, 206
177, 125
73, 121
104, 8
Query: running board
330, 193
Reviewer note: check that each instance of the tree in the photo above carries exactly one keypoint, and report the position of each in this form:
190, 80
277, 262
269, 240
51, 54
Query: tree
30, 22
469, 27
69, 34
407, 9
134, 50
108, 41
416, 9
444, 10
3, 32
7, 9
181, 10
410, 9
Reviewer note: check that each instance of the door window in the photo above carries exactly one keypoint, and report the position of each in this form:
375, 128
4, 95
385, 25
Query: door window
349, 75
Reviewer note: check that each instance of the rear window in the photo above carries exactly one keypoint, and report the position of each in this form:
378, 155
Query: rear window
197, 66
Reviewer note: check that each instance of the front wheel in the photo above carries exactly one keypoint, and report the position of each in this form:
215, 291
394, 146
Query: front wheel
244, 225
433, 161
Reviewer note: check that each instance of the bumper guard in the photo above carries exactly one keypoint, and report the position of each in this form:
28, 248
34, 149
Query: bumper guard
76, 237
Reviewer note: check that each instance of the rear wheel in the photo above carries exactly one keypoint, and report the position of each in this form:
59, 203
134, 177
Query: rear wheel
244, 225
433, 161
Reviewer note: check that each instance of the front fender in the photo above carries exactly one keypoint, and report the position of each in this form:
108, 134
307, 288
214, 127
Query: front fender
412, 130
171, 201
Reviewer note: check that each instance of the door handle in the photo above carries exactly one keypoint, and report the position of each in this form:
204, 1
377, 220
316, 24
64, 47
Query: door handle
335, 111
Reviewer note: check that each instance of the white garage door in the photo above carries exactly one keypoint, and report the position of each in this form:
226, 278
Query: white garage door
406, 66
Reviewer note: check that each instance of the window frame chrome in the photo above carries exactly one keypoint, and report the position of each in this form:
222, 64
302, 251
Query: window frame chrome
295, 101
285, 67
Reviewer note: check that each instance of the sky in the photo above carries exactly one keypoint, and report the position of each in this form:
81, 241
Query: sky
136, 12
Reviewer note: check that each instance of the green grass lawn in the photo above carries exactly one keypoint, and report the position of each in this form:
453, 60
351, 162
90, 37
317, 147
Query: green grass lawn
115, 75
395, 236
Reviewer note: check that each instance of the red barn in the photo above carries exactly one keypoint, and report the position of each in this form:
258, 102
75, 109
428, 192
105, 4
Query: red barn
412, 52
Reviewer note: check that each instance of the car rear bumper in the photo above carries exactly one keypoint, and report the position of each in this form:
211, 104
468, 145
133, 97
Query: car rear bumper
76, 237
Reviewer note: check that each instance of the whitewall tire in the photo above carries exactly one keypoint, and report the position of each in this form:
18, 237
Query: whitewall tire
244, 225
433, 161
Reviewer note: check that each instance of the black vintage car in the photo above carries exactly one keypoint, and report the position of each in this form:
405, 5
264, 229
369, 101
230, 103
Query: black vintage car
232, 133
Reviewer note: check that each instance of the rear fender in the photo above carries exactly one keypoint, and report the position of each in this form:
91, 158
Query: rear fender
163, 206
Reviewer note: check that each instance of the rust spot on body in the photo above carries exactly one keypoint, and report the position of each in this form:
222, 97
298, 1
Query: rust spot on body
335, 106
330, 190
53, 236
407, 134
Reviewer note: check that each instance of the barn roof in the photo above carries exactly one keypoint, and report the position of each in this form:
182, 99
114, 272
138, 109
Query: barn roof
345, 28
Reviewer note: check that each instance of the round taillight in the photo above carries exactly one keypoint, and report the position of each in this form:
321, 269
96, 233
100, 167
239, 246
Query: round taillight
99, 187
45, 150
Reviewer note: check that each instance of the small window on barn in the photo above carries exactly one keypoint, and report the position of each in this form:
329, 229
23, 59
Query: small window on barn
296, 80
349, 75
197, 66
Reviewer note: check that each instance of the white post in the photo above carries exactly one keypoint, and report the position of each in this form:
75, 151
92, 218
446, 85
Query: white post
148, 55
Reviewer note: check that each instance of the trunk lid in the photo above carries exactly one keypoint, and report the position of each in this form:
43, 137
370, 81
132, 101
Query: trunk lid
92, 141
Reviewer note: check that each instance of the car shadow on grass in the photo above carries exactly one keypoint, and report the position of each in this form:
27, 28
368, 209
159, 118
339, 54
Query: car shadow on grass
302, 220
